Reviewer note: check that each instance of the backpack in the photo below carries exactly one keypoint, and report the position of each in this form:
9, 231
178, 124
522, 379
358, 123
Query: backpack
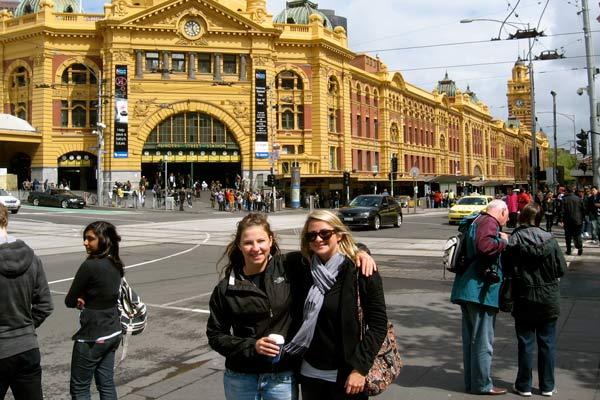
132, 310
454, 257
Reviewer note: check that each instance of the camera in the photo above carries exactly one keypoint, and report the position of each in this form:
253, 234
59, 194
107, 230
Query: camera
490, 275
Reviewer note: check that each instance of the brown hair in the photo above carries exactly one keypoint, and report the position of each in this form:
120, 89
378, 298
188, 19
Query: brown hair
233, 255
3, 216
531, 215
347, 244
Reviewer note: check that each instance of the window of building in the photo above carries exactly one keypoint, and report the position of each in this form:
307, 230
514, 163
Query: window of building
229, 64
300, 116
358, 126
152, 61
287, 120
333, 159
78, 74
204, 63
301, 149
288, 149
288, 80
290, 110
178, 62
368, 127
285, 167
21, 111
78, 113
332, 123
376, 128
19, 77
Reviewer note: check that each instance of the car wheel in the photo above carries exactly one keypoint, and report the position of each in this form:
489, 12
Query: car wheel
376, 222
36, 202
398, 221
14, 211
64, 204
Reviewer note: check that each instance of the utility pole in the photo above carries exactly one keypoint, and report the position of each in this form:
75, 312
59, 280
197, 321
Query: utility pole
534, 160
591, 70
100, 130
555, 173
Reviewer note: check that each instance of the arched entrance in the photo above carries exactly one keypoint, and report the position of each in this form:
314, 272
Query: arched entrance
77, 170
20, 165
196, 146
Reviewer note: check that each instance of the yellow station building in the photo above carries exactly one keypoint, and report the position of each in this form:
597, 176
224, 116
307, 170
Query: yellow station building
218, 87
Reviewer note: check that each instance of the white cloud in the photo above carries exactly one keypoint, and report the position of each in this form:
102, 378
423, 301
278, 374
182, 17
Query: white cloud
387, 24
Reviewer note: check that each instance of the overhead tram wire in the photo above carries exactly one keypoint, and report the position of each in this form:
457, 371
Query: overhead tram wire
427, 46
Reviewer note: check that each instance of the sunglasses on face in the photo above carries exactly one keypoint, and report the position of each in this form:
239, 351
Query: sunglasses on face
324, 234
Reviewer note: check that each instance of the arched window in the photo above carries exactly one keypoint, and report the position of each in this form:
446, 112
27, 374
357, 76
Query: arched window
290, 101
18, 92
288, 80
78, 74
333, 105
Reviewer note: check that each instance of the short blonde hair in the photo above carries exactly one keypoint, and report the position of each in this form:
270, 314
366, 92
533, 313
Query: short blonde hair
3, 216
347, 245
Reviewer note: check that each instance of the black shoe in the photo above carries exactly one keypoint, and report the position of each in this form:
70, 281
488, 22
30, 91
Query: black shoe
579, 252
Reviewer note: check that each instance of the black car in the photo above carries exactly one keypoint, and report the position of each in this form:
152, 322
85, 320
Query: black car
56, 198
372, 210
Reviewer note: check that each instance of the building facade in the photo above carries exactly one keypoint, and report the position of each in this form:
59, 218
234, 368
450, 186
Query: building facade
219, 89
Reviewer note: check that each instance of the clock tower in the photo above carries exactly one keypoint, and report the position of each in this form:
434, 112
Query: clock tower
519, 95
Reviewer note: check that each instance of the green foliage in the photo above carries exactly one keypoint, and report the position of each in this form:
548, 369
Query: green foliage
565, 159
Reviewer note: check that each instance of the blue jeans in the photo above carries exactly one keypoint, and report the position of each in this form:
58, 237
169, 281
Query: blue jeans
527, 334
275, 386
93, 360
478, 341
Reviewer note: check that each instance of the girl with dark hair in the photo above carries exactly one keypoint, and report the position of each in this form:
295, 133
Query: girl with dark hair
94, 291
255, 299
534, 260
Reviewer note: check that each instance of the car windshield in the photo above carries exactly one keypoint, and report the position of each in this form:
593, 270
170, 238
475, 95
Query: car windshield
366, 201
472, 201
4, 193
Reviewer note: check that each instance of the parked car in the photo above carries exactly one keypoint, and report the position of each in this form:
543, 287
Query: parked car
372, 210
56, 198
468, 205
405, 201
10, 202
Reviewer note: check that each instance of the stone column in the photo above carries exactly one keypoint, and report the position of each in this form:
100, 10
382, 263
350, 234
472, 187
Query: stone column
243, 68
218, 66
192, 66
139, 64
165, 65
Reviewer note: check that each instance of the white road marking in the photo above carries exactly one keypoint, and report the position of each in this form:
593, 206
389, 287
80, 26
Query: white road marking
194, 310
186, 299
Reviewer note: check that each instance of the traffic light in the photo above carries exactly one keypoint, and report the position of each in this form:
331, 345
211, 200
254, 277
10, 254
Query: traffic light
582, 142
346, 178
270, 180
394, 164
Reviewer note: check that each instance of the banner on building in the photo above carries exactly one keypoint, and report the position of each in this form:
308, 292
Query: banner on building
261, 132
121, 133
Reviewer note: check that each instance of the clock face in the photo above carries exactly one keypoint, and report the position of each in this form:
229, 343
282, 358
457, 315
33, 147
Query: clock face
191, 28
519, 103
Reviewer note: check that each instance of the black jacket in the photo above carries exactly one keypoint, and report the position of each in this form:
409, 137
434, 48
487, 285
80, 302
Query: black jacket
97, 282
358, 354
25, 299
536, 262
572, 210
241, 313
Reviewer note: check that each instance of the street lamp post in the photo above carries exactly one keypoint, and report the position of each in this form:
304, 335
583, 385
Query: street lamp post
554, 174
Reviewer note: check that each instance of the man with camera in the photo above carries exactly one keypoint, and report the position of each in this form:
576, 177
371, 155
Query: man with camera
476, 290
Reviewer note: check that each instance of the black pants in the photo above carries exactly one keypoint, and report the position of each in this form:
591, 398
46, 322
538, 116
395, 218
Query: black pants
317, 389
573, 233
549, 222
23, 374
512, 219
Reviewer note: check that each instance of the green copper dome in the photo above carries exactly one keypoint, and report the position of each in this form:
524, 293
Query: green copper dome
33, 6
298, 11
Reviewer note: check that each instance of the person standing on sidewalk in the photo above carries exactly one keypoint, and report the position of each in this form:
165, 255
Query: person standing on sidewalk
549, 207
512, 202
535, 262
571, 219
591, 212
25, 302
94, 291
478, 296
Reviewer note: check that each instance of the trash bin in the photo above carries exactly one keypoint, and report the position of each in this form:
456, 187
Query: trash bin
170, 203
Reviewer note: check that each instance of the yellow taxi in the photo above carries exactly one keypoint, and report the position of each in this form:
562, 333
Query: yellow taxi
468, 205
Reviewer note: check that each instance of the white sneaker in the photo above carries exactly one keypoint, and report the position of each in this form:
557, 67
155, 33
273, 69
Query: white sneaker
550, 393
524, 394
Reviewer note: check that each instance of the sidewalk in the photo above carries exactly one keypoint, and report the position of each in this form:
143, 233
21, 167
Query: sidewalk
428, 329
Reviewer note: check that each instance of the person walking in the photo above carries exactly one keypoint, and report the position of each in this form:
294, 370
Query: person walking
335, 359
26, 303
534, 260
477, 294
512, 202
571, 219
549, 208
591, 212
94, 291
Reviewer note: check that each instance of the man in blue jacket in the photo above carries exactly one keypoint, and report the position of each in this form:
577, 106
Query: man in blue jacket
476, 291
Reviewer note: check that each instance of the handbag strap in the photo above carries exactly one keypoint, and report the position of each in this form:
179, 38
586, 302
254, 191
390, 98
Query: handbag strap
359, 310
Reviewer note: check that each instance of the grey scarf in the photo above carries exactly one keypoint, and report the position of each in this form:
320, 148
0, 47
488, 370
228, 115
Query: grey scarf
324, 277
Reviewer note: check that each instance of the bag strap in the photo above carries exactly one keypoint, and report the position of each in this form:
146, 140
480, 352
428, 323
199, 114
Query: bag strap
359, 310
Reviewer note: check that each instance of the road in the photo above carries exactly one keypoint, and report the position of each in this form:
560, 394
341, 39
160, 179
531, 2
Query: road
171, 260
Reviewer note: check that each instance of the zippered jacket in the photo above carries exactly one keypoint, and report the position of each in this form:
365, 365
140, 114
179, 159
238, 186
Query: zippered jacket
241, 313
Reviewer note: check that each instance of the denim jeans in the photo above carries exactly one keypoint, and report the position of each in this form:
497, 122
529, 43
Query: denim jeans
527, 335
275, 386
595, 230
478, 340
97, 361
23, 374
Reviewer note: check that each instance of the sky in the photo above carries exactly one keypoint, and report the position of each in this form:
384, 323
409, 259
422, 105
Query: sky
433, 32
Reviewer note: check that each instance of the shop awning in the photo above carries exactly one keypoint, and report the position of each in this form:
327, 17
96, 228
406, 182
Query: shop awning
452, 178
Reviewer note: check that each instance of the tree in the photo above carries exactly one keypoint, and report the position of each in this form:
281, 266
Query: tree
566, 160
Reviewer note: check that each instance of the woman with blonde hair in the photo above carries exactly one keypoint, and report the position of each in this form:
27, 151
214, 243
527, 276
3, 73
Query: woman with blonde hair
335, 359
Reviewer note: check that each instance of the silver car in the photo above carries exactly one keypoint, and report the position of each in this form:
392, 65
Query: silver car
9, 201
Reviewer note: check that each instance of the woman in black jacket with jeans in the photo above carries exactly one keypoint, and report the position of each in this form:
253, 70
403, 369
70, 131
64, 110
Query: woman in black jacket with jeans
94, 291
536, 263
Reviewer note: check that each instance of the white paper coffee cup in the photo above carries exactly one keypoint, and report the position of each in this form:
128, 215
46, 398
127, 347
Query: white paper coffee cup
279, 341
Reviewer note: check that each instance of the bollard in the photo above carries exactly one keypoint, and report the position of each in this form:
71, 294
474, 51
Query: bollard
311, 205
